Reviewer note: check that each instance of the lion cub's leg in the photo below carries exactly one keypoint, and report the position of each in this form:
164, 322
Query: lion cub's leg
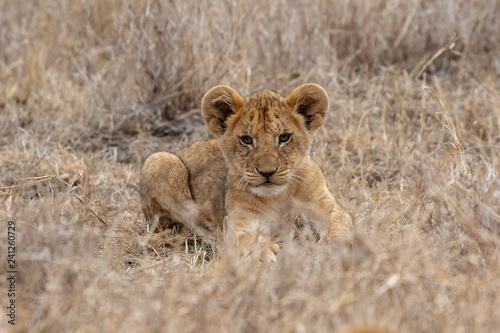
251, 227
333, 219
340, 223
320, 205
165, 190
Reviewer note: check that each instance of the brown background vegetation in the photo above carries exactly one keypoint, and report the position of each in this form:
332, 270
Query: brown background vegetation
410, 148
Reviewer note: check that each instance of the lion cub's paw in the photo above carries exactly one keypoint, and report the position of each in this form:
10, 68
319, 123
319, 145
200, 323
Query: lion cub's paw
340, 226
270, 248
250, 244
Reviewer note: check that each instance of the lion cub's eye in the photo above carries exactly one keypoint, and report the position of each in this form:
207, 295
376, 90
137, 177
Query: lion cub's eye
285, 137
247, 140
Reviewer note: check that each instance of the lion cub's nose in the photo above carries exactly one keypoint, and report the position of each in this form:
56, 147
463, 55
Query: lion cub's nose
267, 173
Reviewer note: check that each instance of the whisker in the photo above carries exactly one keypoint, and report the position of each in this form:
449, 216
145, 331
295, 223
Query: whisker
294, 182
241, 182
297, 176
296, 169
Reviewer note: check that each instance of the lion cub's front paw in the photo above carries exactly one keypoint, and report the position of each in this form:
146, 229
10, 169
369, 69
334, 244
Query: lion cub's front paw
340, 225
270, 248
249, 244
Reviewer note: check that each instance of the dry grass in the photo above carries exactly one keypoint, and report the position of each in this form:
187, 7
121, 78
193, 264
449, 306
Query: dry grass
411, 149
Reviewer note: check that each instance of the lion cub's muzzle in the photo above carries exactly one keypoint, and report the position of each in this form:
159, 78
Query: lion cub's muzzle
266, 167
267, 183
267, 178
267, 174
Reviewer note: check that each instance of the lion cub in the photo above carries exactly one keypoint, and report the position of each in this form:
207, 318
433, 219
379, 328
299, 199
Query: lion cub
258, 172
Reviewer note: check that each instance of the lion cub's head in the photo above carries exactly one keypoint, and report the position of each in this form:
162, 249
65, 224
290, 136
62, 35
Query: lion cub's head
265, 137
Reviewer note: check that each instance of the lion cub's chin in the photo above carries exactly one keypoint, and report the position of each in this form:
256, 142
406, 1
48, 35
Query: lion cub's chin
268, 190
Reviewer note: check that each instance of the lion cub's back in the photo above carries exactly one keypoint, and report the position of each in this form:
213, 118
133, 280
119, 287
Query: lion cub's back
207, 173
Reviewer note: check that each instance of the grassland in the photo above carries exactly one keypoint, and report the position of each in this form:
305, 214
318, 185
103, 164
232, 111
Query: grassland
411, 149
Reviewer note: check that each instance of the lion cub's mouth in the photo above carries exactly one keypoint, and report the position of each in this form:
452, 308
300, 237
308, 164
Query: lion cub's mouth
267, 186
269, 183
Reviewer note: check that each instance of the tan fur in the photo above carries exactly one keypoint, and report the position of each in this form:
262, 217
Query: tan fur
260, 186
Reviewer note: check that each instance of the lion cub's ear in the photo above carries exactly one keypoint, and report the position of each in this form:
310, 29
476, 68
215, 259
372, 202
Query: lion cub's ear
311, 102
218, 104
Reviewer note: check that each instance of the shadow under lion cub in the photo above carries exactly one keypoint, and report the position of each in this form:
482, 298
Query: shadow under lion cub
249, 184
